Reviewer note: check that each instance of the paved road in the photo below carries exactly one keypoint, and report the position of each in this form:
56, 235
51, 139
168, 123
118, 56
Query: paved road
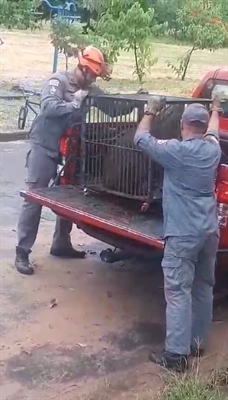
12, 175
12, 156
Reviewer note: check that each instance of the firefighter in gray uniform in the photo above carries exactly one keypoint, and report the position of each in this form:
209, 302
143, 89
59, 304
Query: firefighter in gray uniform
61, 99
191, 229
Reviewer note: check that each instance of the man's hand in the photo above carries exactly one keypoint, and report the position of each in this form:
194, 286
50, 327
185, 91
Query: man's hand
79, 96
216, 106
155, 105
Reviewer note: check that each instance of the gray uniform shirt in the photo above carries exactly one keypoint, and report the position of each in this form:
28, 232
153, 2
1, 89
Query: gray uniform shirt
189, 203
57, 112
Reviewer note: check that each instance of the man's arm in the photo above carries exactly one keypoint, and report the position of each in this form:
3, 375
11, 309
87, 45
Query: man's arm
52, 100
212, 133
144, 125
164, 152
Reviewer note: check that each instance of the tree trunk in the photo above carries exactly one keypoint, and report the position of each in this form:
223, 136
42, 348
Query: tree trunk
138, 72
187, 61
66, 57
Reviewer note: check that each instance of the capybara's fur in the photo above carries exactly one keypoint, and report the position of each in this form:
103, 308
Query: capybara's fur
125, 169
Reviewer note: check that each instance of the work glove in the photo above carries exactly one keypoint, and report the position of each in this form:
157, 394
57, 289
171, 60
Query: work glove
155, 105
79, 96
216, 106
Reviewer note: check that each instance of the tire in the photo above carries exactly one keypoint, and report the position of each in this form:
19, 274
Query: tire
22, 117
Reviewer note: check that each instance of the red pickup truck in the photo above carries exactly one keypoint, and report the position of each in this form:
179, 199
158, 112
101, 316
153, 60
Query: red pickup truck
104, 179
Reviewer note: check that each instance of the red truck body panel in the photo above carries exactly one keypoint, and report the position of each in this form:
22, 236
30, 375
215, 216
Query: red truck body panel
215, 76
109, 213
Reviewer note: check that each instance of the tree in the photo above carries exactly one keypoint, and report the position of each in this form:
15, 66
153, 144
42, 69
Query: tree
95, 9
135, 30
201, 24
224, 10
119, 25
127, 25
17, 14
67, 38
165, 12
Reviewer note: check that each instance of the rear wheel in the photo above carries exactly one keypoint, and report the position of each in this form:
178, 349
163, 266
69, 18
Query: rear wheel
22, 117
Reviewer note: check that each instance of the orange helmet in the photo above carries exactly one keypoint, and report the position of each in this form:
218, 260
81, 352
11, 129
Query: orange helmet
95, 60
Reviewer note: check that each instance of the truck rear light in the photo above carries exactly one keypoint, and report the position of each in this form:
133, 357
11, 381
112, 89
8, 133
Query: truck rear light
222, 195
64, 146
70, 142
223, 215
69, 148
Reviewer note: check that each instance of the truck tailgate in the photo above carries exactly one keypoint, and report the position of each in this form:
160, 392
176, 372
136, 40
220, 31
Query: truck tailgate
110, 213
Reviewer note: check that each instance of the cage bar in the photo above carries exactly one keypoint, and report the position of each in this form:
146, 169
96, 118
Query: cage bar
109, 160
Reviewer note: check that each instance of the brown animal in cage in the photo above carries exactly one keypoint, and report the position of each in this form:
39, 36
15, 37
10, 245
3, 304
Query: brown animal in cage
125, 168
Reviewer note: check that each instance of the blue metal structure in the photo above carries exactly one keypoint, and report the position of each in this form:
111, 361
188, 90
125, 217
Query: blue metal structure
66, 12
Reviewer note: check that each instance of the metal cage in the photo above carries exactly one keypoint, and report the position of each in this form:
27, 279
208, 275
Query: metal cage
110, 161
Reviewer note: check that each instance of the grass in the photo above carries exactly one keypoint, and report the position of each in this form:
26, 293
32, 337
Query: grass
194, 387
191, 389
26, 59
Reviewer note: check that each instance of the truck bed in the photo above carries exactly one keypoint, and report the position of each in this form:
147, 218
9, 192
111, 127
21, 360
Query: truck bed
104, 212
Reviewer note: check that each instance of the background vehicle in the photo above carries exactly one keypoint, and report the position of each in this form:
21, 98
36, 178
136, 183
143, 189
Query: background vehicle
105, 180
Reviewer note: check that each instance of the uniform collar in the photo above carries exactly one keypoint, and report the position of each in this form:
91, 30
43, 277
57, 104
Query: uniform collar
193, 138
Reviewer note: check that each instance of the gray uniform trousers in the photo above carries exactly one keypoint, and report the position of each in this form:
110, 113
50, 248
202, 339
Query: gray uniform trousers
41, 169
188, 268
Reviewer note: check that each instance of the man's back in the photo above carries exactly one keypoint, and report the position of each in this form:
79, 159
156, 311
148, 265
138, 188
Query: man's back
189, 202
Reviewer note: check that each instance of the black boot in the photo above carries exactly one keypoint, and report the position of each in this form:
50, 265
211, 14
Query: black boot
22, 262
175, 362
69, 252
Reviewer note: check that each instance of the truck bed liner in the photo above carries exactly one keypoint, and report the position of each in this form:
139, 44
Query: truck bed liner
110, 213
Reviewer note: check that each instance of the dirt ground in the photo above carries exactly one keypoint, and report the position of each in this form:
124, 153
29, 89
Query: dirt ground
94, 343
